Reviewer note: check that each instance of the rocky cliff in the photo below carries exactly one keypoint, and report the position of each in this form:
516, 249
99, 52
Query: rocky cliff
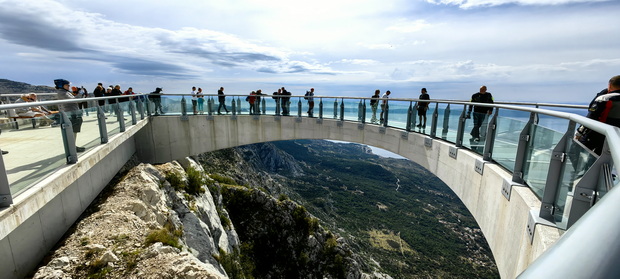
177, 221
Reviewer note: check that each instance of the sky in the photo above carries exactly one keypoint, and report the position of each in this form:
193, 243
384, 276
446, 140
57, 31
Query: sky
561, 51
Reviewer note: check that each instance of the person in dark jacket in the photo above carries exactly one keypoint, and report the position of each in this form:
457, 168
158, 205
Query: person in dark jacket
222, 100
100, 92
285, 102
604, 108
155, 96
480, 112
422, 107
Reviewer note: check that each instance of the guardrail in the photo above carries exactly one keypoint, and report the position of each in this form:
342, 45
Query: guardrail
535, 145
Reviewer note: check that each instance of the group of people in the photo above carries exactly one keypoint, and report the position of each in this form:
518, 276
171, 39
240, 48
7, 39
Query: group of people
605, 107
281, 96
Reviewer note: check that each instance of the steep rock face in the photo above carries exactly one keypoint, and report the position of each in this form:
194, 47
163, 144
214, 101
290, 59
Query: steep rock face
123, 237
284, 240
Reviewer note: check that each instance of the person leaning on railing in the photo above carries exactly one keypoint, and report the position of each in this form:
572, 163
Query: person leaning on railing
72, 110
34, 111
604, 108
480, 112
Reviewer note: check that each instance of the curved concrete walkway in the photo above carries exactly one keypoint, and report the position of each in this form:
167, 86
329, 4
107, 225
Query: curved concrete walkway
504, 222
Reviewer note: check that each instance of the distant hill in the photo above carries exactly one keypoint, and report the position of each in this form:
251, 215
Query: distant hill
14, 87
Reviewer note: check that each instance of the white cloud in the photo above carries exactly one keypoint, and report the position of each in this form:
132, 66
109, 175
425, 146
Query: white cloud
465, 4
405, 26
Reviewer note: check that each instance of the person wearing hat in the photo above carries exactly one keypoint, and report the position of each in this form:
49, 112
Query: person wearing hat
71, 109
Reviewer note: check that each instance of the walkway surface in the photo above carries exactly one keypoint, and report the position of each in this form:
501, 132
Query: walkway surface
35, 153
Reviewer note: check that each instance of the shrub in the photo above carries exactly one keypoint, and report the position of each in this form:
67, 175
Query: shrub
166, 235
175, 181
195, 180
223, 179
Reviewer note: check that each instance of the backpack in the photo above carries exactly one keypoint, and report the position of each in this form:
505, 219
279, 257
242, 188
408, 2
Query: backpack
307, 93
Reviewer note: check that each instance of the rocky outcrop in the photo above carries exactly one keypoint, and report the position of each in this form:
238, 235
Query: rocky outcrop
145, 229
153, 224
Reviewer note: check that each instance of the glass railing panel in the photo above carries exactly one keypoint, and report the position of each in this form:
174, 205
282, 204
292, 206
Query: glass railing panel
112, 125
579, 160
453, 116
397, 116
89, 136
351, 109
34, 153
507, 133
469, 141
539, 153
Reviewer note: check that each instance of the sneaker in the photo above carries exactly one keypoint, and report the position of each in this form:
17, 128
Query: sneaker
477, 139
419, 125
80, 148
4, 152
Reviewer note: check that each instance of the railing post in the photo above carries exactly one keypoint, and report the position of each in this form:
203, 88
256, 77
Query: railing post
210, 106
359, 111
5, 189
119, 116
262, 100
364, 111
183, 108
278, 106
132, 111
103, 130
522, 147
68, 138
434, 120
238, 104
321, 108
342, 109
446, 122
147, 102
141, 107
490, 137
233, 106
554, 175
409, 115
386, 113
299, 107
461, 129
335, 108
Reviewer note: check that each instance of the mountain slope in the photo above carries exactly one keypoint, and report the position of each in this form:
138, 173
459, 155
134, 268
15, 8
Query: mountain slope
400, 217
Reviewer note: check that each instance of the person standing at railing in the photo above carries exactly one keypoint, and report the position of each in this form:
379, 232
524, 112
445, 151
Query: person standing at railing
100, 92
276, 97
71, 109
422, 107
222, 100
200, 99
310, 98
384, 105
604, 108
155, 96
111, 102
259, 92
251, 99
194, 100
374, 103
285, 101
480, 112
